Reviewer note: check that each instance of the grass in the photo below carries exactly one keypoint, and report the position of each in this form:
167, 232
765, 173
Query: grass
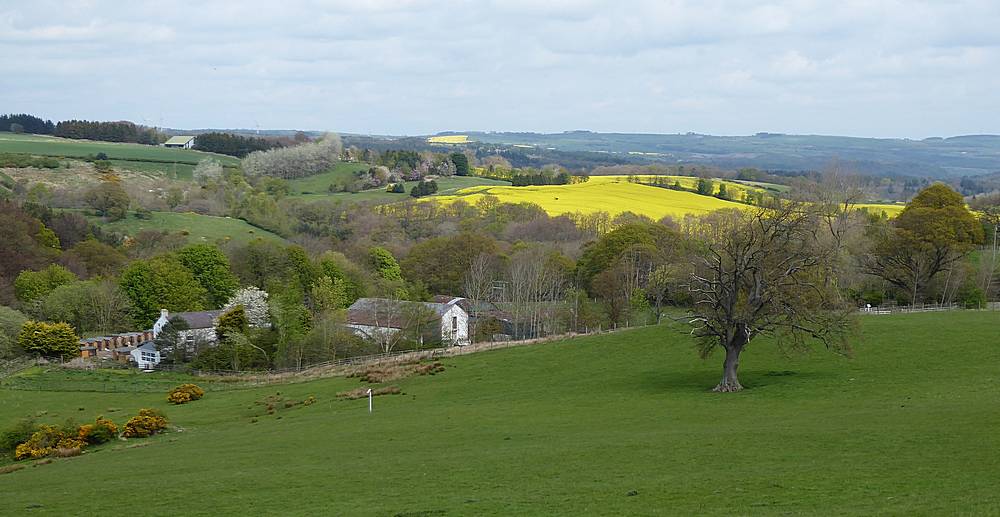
320, 183
138, 157
199, 228
448, 139
612, 194
619, 424
446, 187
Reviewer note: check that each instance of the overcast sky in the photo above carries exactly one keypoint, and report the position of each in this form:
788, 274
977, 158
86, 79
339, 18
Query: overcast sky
864, 68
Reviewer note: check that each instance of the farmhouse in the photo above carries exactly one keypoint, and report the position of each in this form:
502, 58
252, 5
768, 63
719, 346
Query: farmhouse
447, 322
201, 326
180, 142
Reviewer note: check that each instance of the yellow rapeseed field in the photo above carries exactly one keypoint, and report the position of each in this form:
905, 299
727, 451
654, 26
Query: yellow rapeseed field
612, 194
615, 194
448, 139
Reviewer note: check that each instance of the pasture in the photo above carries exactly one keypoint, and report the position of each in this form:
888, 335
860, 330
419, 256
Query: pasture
446, 187
136, 157
617, 424
198, 228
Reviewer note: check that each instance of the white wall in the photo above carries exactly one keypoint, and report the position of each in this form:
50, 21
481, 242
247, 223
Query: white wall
461, 334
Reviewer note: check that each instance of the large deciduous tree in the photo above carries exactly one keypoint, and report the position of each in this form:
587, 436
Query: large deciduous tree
932, 234
763, 272
210, 268
49, 339
160, 283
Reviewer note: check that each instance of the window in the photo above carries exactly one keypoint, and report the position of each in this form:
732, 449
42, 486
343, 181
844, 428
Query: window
454, 323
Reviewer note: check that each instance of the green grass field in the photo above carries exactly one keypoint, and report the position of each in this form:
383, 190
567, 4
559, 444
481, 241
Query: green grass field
618, 424
128, 156
320, 183
200, 228
446, 187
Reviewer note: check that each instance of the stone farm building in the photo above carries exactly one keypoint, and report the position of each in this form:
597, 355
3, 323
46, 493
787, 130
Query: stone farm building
180, 142
369, 317
201, 327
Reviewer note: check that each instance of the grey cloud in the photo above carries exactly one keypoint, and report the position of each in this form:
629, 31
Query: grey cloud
864, 67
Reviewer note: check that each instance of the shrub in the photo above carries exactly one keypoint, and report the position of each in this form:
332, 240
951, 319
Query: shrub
20, 433
101, 431
147, 423
185, 393
41, 443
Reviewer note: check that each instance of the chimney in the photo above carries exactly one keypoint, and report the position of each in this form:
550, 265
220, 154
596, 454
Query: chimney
164, 313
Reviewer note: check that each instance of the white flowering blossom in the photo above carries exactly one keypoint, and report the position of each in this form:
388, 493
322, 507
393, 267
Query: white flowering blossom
254, 302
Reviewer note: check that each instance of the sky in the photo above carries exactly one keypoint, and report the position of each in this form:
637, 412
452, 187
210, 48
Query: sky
908, 69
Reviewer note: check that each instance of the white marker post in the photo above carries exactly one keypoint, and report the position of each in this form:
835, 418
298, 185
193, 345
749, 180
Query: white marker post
369, 400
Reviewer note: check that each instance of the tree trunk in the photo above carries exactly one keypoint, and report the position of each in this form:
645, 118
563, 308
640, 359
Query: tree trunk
730, 382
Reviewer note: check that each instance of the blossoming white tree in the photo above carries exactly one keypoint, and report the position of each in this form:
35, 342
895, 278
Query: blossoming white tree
254, 302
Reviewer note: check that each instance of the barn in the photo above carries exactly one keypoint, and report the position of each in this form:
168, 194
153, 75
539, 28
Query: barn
369, 317
180, 142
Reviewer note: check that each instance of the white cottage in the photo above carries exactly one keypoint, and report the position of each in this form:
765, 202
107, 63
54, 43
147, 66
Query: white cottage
369, 317
145, 356
201, 326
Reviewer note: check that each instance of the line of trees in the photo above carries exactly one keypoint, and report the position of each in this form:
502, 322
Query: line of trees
233, 145
122, 131
24, 123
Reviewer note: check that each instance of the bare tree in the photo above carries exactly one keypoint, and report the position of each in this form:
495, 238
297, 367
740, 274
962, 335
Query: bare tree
535, 287
478, 287
763, 272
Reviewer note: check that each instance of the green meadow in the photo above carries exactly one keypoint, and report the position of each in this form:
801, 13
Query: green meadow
617, 424
197, 227
138, 157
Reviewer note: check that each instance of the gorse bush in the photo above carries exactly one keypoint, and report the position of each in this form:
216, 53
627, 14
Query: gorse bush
147, 423
101, 431
14, 436
43, 442
185, 393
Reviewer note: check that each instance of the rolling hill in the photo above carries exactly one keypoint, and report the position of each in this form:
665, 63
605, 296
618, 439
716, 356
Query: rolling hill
616, 424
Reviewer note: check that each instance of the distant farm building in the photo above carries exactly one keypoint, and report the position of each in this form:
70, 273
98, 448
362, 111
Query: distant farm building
180, 142
370, 317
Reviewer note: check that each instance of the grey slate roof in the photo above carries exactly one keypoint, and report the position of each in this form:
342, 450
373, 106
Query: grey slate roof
199, 319
381, 312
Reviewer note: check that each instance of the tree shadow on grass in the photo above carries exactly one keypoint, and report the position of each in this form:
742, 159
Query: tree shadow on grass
702, 381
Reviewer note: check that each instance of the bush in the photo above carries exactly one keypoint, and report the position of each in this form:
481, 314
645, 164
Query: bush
147, 423
43, 442
20, 433
101, 431
185, 393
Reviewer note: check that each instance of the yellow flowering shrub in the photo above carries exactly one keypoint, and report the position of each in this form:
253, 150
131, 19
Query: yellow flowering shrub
102, 430
147, 423
41, 443
185, 393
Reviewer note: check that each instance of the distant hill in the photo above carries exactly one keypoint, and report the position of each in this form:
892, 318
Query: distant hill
934, 157
938, 158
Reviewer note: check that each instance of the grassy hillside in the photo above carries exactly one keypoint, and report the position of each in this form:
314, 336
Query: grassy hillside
320, 183
446, 187
612, 194
137, 157
199, 228
615, 424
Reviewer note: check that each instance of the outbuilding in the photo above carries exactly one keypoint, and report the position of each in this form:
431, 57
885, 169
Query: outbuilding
180, 142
